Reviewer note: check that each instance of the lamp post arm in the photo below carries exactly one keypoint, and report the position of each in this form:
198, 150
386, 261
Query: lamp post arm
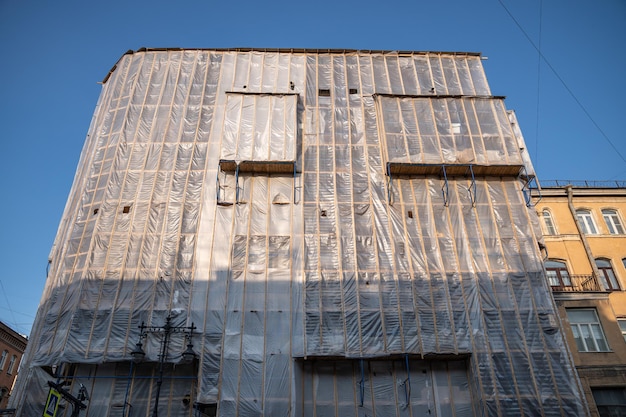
77, 404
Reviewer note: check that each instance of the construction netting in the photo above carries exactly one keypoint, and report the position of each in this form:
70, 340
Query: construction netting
346, 230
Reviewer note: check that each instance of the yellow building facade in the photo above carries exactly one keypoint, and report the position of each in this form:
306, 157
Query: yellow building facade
584, 245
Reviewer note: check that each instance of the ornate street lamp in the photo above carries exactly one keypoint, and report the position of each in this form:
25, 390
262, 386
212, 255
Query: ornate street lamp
189, 355
139, 354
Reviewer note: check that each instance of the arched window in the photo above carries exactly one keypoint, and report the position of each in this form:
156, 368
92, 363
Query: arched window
558, 277
548, 222
607, 274
586, 221
613, 222
11, 364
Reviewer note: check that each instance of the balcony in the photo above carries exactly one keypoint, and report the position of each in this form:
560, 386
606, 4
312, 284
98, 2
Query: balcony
577, 283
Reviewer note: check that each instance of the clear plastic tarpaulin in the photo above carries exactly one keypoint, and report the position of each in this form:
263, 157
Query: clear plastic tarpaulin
346, 230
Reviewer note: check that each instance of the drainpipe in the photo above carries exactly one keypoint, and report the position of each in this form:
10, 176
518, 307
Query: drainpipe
583, 238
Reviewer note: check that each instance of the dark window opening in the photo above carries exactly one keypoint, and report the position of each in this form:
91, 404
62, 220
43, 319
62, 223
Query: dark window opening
610, 401
206, 410
324, 92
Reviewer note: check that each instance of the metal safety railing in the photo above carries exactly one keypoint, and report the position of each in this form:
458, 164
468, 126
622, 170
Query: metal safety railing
579, 283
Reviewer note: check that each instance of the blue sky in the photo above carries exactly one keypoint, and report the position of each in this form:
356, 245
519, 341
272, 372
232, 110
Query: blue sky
55, 53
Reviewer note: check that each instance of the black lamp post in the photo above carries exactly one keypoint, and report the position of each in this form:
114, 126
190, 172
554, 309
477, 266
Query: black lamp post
139, 354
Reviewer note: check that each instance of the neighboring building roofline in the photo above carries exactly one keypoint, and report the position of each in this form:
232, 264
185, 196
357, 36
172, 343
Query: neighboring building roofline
580, 188
582, 184
14, 338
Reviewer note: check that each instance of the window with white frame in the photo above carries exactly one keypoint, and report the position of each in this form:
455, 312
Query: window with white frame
607, 274
587, 330
548, 222
586, 222
613, 222
11, 365
622, 326
3, 359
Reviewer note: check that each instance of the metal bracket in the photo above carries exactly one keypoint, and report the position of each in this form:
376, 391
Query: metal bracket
237, 184
472, 188
362, 384
389, 185
407, 381
527, 187
221, 190
444, 187
295, 187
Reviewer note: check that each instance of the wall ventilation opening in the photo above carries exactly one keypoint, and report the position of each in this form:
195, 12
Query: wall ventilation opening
95, 211
126, 209
353, 91
324, 92
323, 213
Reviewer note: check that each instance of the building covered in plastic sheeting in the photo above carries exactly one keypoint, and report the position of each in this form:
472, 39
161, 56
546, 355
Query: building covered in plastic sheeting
338, 233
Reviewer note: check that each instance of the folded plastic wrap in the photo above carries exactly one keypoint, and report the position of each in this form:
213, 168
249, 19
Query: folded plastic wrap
330, 289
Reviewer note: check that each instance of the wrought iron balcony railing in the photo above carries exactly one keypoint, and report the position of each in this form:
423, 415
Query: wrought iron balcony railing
579, 283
